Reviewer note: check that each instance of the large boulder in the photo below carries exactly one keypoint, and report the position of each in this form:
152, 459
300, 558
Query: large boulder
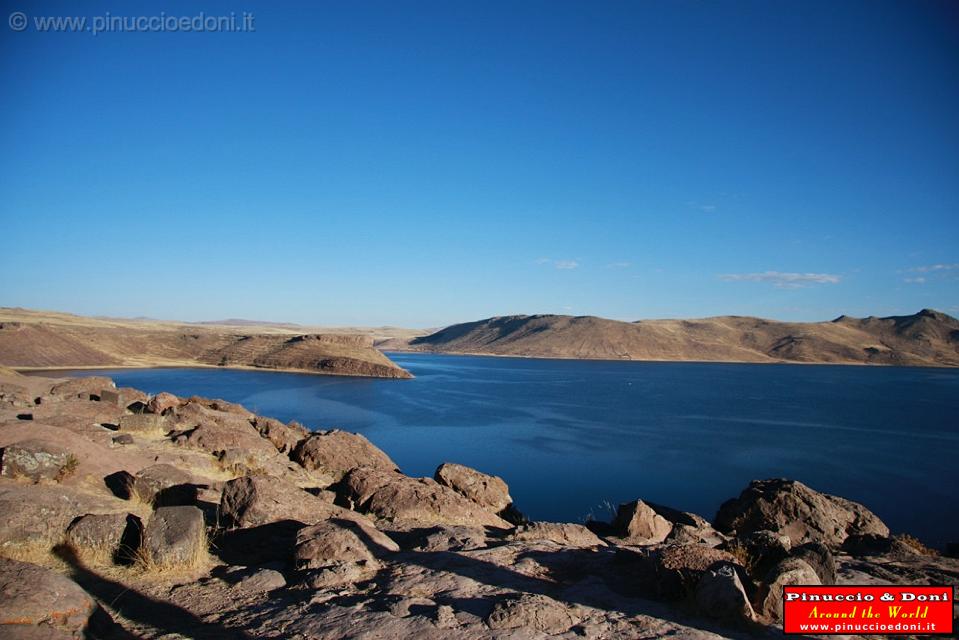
35, 599
720, 594
791, 508
252, 501
820, 558
36, 460
564, 534
759, 551
175, 537
146, 423
489, 492
164, 485
282, 436
38, 515
337, 452
672, 572
791, 571
105, 538
337, 552
639, 523
84, 388
399, 499
163, 403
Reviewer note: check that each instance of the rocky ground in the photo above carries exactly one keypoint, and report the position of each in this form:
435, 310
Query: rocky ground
129, 516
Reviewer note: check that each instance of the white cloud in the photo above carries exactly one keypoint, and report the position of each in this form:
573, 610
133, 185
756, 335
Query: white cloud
619, 265
919, 280
558, 264
935, 267
783, 280
708, 208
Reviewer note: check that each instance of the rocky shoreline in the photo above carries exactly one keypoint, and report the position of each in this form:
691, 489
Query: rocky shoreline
124, 515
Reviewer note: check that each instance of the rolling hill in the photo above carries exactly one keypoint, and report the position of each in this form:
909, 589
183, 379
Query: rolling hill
927, 338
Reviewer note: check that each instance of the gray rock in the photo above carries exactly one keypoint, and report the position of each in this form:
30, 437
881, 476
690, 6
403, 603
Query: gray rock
820, 558
337, 452
791, 571
412, 501
144, 423
791, 508
257, 500
672, 572
123, 439
164, 485
638, 522
283, 437
489, 492
36, 597
720, 594
175, 537
451, 538
335, 541
36, 460
759, 551
105, 538
261, 581
163, 403
82, 388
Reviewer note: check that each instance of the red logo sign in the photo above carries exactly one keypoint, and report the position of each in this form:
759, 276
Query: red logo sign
852, 610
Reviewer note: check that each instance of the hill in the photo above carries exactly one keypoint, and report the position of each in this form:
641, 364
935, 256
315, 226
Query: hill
927, 338
43, 340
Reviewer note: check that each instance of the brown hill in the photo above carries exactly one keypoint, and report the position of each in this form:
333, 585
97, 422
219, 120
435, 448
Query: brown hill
928, 338
35, 340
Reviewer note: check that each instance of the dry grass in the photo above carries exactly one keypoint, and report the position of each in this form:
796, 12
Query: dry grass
39, 552
145, 564
916, 544
68, 469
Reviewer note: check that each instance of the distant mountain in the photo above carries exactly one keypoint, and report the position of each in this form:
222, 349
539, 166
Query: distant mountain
928, 338
240, 322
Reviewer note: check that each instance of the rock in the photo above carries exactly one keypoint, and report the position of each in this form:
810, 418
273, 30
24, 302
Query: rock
791, 571
163, 403
399, 499
105, 538
34, 597
638, 522
820, 558
175, 537
793, 509
449, 538
337, 452
876, 545
332, 542
257, 500
83, 388
720, 594
261, 581
36, 460
489, 492
672, 572
32, 515
532, 612
283, 437
164, 485
565, 534
336, 575
123, 439
143, 423
110, 396
759, 551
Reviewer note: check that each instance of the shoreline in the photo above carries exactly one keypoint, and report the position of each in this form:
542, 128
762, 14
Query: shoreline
199, 365
668, 361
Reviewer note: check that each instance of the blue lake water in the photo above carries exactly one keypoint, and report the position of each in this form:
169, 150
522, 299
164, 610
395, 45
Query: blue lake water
572, 437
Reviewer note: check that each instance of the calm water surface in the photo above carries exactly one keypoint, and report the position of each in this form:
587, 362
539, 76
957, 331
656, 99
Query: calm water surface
572, 437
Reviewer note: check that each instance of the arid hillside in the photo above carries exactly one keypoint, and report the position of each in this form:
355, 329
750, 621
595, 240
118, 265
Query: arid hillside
30, 339
928, 338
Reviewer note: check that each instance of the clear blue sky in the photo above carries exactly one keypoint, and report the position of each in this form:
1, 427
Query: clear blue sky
423, 163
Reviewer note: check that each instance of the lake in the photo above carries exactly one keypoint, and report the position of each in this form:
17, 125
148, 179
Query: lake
573, 438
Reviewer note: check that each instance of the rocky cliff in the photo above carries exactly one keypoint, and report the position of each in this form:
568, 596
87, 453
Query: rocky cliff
927, 338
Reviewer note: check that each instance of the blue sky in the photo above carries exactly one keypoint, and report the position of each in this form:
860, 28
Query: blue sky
425, 163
